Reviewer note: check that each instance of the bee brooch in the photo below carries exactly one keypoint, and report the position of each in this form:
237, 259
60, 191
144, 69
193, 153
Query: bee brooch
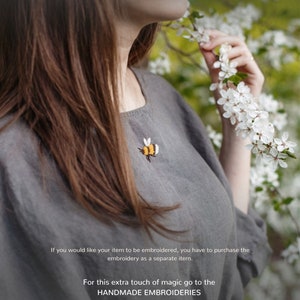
149, 149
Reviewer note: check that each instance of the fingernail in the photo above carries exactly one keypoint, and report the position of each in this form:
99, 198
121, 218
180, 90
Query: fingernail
205, 45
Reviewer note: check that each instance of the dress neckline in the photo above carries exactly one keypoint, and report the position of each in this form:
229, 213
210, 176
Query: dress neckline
143, 108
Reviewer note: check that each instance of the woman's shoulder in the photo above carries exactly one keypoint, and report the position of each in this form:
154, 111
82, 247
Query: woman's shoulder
17, 141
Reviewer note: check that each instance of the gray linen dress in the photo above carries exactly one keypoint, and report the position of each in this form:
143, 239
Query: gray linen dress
39, 216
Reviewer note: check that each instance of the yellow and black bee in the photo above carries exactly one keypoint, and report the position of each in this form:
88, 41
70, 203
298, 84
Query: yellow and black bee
149, 149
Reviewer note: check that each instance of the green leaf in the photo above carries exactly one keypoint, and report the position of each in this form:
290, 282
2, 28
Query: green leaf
262, 50
281, 111
259, 189
195, 15
287, 200
242, 75
290, 154
236, 79
276, 205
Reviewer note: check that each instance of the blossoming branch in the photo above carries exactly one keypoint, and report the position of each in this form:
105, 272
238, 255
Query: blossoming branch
252, 119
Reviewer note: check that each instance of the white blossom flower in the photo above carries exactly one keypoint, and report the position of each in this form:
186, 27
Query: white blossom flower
224, 50
243, 93
160, 65
244, 128
275, 43
292, 253
279, 120
203, 36
187, 12
180, 30
276, 158
275, 38
227, 70
258, 147
226, 96
294, 25
268, 103
230, 113
232, 23
214, 136
284, 144
214, 87
243, 16
263, 130
262, 173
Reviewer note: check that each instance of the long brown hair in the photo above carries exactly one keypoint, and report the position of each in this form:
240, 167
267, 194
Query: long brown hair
58, 73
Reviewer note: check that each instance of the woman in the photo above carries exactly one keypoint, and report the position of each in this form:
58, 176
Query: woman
106, 159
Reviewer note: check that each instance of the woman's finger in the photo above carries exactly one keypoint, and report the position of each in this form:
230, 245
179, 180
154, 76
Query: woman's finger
217, 41
243, 61
240, 51
209, 57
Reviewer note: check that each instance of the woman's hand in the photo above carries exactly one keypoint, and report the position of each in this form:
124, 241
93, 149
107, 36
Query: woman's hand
239, 54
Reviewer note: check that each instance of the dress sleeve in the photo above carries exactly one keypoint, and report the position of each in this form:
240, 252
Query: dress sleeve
251, 236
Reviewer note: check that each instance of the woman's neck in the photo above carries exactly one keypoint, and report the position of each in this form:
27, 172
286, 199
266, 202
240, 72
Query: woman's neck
130, 94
